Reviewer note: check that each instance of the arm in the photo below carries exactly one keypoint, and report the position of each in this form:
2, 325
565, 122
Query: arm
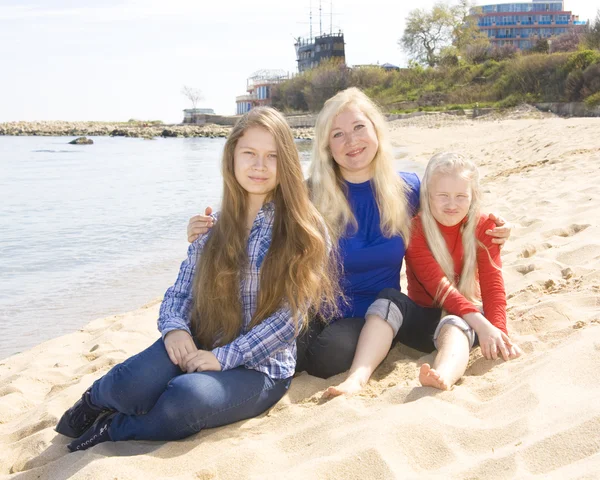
489, 264
273, 334
429, 274
173, 320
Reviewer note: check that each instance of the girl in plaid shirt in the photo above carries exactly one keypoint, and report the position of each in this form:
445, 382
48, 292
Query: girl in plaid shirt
230, 321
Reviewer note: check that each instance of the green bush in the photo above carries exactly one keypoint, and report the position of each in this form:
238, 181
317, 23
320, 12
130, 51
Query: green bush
593, 100
581, 60
573, 86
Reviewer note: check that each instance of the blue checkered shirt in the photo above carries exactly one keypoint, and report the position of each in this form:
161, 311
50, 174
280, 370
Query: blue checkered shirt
269, 347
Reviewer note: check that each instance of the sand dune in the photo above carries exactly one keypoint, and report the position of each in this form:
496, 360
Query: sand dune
535, 417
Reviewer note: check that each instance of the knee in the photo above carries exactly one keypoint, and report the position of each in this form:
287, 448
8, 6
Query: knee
453, 329
191, 399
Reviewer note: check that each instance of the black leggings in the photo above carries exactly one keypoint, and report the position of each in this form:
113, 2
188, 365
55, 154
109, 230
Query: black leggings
326, 350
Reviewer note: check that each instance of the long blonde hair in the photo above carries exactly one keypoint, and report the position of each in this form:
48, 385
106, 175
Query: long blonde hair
298, 270
328, 189
448, 163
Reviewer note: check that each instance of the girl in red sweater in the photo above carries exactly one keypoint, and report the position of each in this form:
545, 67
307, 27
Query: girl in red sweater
452, 266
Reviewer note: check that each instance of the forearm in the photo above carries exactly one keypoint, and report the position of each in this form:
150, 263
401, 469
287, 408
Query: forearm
476, 321
261, 342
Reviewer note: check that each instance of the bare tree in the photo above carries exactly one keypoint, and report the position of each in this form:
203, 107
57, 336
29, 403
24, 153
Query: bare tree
427, 32
194, 95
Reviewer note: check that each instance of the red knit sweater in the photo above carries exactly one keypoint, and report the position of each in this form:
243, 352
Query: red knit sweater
424, 274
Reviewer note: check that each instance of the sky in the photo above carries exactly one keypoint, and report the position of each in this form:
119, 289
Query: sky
113, 60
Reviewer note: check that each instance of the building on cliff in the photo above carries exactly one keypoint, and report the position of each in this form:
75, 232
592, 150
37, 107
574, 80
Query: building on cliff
310, 52
258, 87
522, 24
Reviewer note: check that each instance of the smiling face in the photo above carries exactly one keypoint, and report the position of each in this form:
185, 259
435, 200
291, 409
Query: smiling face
449, 198
255, 163
353, 144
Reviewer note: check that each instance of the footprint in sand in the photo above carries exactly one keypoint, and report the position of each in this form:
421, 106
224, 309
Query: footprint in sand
568, 231
525, 269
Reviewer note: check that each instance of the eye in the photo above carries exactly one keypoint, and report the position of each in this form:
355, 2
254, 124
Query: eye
359, 126
272, 155
337, 134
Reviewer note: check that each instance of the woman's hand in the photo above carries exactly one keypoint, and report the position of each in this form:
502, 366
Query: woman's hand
501, 232
179, 344
199, 225
201, 361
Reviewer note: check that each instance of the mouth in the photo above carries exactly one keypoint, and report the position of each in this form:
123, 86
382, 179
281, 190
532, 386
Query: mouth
355, 152
258, 179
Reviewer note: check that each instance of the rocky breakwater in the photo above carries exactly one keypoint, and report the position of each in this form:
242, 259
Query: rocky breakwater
129, 129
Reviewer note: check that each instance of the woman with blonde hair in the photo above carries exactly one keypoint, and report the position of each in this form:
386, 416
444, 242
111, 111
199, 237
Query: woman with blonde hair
452, 265
230, 321
368, 207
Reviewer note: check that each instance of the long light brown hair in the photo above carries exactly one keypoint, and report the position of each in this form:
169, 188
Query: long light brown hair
299, 269
328, 189
448, 163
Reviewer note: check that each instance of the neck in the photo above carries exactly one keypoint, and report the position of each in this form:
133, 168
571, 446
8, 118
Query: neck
255, 203
360, 176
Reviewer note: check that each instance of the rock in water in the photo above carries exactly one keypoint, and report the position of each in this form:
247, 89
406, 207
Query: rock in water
81, 141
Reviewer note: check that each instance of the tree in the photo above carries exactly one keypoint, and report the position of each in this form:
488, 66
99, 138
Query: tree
591, 37
426, 33
194, 95
467, 37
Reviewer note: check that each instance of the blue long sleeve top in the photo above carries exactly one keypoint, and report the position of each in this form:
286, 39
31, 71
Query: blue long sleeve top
371, 261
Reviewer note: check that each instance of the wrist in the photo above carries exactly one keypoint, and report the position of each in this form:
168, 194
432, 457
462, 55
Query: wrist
475, 320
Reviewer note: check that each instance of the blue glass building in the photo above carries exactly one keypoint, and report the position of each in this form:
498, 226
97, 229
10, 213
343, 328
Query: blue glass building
521, 24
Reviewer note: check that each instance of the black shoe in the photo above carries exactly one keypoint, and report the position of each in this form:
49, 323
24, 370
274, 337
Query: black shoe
96, 434
79, 417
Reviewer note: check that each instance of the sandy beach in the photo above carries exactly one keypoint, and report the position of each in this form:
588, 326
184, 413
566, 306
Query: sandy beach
534, 417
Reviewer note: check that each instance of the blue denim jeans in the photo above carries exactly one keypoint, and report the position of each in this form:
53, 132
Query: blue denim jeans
157, 401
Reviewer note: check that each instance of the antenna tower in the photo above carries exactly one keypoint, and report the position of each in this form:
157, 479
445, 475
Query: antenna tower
320, 18
310, 21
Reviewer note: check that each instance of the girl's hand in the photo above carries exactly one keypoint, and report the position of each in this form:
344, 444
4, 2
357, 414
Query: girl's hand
199, 225
179, 344
514, 351
201, 361
501, 232
493, 340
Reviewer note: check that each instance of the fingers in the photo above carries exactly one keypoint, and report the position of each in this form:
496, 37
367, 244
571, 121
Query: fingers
497, 219
515, 351
493, 351
208, 211
172, 356
505, 338
504, 351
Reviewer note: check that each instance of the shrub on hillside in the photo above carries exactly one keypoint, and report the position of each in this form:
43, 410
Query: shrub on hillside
330, 78
573, 86
567, 42
591, 80
581, 60
593, 100
502, 53
541, 75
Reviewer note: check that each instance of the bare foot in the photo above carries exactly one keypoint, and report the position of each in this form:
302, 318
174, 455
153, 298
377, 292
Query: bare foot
350, 386
430, 378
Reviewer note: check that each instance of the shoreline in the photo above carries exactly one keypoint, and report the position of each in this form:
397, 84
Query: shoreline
120, 129
536, 416
149, 130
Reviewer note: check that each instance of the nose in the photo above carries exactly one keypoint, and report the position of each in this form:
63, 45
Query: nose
349, 137
260, 162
